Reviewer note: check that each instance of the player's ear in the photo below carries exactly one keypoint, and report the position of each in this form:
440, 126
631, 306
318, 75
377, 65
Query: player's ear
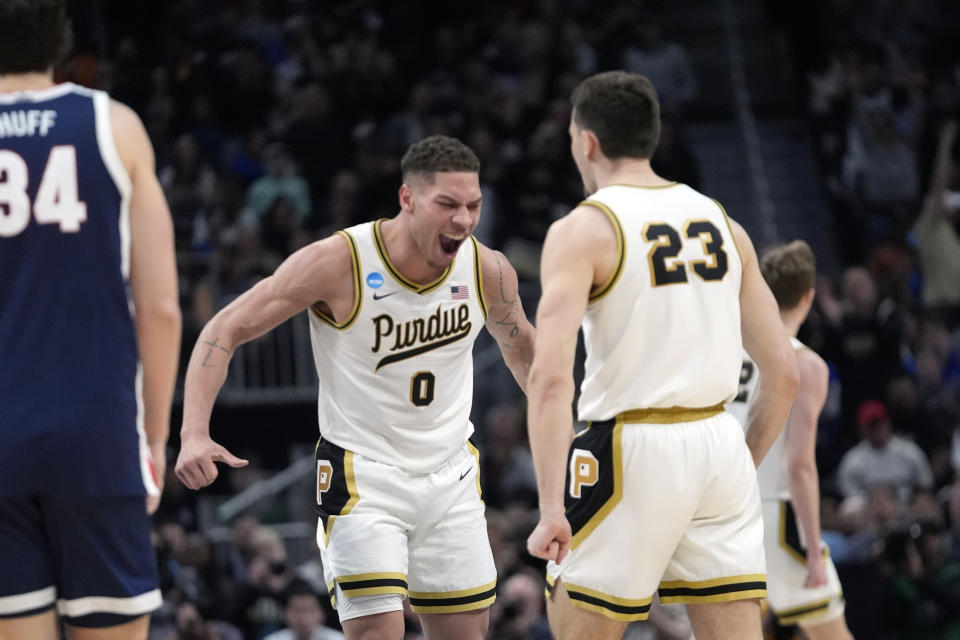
406, 198
591, 145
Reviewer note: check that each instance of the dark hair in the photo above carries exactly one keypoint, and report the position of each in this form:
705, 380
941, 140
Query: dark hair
438, 154
35, 35
790, 271
622, 110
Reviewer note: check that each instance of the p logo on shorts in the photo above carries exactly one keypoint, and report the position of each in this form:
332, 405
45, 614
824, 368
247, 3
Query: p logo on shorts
584, 471
324, 478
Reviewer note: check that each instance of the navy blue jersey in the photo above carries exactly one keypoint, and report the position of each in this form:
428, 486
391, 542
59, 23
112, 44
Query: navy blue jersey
70, 417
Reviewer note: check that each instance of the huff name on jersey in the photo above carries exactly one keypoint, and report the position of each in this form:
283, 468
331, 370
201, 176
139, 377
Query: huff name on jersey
16, 124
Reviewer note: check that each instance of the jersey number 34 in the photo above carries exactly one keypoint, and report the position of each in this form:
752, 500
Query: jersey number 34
56, 201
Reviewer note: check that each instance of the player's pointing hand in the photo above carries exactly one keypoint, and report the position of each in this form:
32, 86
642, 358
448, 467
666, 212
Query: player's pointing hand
196, 465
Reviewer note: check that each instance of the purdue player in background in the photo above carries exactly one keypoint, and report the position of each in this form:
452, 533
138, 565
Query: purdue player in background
661, 490
802, 583
395, 306
89, 336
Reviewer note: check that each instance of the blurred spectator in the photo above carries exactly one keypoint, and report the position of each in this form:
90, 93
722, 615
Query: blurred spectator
280, 181
666, 63
937, 231
304, 616
190, 625
923, 595
863, 337
508, 474
882, 458
518, 613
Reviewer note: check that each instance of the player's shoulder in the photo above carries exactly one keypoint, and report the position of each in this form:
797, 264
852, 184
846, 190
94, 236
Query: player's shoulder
811, 364
589, 223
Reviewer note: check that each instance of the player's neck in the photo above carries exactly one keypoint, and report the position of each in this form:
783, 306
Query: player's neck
792, 320
11, 82
631, 171
403, 253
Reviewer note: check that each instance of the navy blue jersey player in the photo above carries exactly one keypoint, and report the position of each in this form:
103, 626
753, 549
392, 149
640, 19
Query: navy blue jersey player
89, 338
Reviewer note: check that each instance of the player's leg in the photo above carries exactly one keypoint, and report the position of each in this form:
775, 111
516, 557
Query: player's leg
106, 567
568, 622
718, 568
135, 629
735, 620
628, 499
27, 594
835, 629
378, 626
41, 626
464, 624
453, 580
364, 508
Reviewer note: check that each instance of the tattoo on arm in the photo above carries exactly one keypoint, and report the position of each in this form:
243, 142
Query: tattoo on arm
510, 318
211, 347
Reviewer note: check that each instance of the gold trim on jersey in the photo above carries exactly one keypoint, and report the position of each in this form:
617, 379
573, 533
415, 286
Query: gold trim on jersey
351, 480
644, 186
615, 496
726, 219
669, 415
604, 289
615, 607
476, 454
803, 612
373, 584
399, 277
332, 591
453, 601
716, 590
325, 317
478, 277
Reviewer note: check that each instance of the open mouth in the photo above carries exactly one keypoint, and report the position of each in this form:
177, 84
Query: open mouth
450, 244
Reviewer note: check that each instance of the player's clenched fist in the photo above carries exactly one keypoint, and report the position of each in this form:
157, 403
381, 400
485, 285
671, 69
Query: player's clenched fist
551, 539
196, 465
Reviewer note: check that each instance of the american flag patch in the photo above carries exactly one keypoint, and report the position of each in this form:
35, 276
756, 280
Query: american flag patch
459, 292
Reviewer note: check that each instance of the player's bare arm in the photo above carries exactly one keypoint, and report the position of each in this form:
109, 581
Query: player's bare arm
506, 320
575, 259
153, 277
801, 458
319, 274
768, 345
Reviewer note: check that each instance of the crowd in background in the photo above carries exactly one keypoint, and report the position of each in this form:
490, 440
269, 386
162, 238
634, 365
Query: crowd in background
277, 122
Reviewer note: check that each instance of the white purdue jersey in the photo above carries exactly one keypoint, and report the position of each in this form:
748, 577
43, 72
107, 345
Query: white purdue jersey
664, 331
396, 376
772, 472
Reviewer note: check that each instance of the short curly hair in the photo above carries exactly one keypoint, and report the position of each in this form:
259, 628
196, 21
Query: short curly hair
35, 35
438, 154
790, 271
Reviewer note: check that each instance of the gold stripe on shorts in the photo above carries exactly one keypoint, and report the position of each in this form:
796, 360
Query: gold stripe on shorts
811, 610
669, 415
453, 601
615, 607
373, 584
717, 590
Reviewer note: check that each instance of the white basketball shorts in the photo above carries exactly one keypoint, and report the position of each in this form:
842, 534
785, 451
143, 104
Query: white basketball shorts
385, 533
787, 569
661, 499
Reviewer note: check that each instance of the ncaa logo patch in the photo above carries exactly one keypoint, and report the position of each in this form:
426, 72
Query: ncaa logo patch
374, 280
